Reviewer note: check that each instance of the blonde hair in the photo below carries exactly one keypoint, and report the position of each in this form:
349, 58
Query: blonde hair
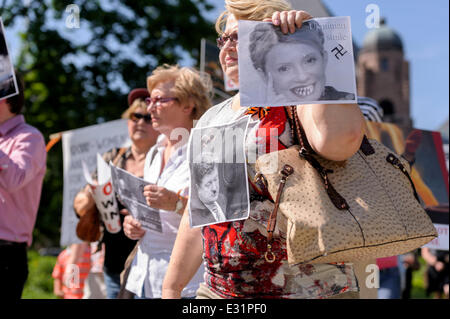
138, 103
190, 85
256, 10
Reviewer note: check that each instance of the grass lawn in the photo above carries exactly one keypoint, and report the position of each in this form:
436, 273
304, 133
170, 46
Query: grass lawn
39, 284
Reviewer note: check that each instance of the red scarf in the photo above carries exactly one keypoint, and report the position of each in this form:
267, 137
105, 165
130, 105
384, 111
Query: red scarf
271, 118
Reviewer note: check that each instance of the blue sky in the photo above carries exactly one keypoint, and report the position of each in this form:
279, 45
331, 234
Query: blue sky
424, 29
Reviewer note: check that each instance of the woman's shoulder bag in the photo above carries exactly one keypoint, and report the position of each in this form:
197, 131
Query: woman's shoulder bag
363, 208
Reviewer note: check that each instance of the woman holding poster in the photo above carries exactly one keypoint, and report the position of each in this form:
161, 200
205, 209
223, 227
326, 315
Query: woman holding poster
178, 96
143, 137
233, 252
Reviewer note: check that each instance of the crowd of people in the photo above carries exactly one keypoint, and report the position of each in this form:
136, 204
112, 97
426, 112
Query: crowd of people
223, 259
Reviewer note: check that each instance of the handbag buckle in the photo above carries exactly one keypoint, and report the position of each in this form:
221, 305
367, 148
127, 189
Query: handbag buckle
394, 161
260, 179
287, 170
272, 257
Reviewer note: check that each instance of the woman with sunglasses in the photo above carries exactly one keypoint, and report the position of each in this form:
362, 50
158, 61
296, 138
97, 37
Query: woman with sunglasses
142, 135
233, 252
178, 96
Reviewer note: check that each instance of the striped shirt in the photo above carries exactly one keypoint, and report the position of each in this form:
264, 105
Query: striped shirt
370, 109
73, 284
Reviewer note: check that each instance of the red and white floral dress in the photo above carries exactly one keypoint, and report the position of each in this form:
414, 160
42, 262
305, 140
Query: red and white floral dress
234, 251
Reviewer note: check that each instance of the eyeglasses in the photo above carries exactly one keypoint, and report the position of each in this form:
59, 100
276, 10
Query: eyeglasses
158, 100
223, 39
135, 117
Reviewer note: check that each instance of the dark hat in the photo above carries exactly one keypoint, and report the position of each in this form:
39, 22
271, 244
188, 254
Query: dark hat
137, 93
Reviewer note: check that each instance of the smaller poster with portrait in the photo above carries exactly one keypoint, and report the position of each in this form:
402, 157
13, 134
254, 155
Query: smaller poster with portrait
315, 64
219, 187
130, 189
8, 82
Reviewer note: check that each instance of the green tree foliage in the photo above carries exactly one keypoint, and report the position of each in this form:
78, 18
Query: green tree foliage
79, 77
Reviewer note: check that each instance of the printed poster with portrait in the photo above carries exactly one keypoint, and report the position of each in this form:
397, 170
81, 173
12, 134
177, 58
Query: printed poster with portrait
218, 174
130, 189
8, 83
313, 65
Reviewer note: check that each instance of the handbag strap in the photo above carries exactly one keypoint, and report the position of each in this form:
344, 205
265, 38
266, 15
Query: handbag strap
306, 152
298, 132
285, 172
120, 153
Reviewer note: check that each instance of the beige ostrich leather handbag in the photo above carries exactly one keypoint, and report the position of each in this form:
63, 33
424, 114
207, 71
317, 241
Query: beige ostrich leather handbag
365, 207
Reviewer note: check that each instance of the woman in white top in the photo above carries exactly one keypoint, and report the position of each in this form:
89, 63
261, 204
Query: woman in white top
178, 96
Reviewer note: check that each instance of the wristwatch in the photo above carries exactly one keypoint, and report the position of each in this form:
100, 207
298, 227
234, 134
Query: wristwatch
180, 203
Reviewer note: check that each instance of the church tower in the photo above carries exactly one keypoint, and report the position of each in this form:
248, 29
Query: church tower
383, 74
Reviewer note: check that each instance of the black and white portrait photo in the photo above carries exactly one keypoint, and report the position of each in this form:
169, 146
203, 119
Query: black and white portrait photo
129, 189
149, 217
8, 84
313, 65
127, 185
219, 185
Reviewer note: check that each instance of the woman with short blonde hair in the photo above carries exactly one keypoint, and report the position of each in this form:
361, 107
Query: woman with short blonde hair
190, 86
178, 96
233, 251
256, 11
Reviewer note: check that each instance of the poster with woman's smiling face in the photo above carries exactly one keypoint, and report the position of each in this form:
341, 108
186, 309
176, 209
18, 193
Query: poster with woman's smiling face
313, 65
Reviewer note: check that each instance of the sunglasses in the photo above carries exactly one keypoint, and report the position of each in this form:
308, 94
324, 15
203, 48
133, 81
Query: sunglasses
158, 100
135, 117
222, 40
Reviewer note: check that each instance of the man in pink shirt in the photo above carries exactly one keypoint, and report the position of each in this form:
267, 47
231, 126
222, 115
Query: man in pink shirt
22, 170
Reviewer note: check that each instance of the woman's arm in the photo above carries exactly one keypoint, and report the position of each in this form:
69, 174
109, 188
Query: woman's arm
334, 131
76, 253
83, 202
431, 259
132, 228
160, 197
185, 260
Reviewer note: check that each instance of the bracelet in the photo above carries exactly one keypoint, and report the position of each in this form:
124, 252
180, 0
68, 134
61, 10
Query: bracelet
180, 203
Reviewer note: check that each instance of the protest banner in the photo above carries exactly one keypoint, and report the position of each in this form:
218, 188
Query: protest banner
439, 216
83, 145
